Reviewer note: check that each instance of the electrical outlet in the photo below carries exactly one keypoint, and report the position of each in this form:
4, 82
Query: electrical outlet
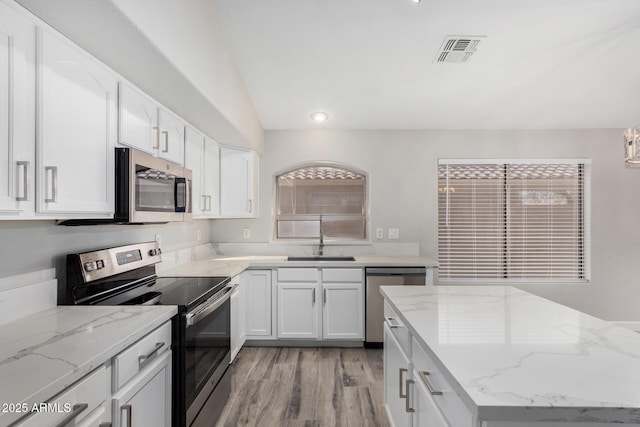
394, 233
246, 233
159, 239
379, 233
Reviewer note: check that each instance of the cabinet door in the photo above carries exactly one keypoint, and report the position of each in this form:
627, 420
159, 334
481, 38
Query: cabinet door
146, 400
17, 112
235, 339
298, 310
426, 412
76, 130
258, 302
396, 373
193, 159
211, 177
137, 120
236, 182
171, 136
343, 311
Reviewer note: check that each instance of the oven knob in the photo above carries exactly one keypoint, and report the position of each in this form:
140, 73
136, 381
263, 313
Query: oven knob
99, 264
154, 252
159, 251
90, 266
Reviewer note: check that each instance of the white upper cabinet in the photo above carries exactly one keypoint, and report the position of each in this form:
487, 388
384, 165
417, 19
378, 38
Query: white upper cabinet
17, 113
138, 120
147, 126
171, 136
238, 183
203, 158
76, 130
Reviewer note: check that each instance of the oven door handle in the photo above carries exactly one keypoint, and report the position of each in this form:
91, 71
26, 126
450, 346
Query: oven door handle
206, 309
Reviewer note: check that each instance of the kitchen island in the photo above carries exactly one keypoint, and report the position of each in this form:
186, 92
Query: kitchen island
504, 357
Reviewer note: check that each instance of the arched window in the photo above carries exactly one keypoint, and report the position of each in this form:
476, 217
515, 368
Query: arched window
323, 197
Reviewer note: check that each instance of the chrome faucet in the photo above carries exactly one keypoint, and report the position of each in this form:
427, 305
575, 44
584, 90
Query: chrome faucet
321, 245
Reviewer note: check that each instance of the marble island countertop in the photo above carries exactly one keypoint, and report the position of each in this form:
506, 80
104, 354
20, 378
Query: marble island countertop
513, 356
42, 354
233, 265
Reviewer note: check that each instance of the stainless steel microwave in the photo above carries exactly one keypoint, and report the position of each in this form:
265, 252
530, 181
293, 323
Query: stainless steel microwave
149, 189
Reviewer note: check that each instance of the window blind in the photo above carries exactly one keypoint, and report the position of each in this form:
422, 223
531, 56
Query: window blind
307, 196
512, 221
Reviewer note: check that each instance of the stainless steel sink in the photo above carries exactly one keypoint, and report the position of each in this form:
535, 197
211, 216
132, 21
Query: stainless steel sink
321, 258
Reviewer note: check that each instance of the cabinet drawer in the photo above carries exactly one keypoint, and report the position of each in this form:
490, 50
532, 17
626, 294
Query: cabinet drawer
297, 275
398, 329
81, 398
430, 376
342, 275
127, 364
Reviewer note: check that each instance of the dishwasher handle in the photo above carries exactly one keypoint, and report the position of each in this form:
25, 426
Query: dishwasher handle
408, 271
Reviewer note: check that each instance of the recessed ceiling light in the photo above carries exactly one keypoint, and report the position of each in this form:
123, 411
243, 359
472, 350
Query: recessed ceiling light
319, 116
416, 1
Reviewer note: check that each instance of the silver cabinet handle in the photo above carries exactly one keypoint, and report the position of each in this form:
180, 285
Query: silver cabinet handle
54, 183
407, 406
166, 141
400, 382
390, 323
78, 408
204, 203
144, 358
432, 391
209, 205
324, 296
250, 205
157, 146
25, 181
129, 410
313, 297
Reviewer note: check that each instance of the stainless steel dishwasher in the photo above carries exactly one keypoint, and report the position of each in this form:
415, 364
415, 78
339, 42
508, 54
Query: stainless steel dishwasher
385, 276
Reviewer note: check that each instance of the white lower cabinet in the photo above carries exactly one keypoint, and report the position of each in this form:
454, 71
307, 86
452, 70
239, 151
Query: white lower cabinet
326, 303
76, 403
342, 304
298, 310
397, 374
238, 316
146, 399
426, 412
257, 286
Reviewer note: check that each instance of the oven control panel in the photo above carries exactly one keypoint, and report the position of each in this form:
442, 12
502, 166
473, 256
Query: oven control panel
108, 262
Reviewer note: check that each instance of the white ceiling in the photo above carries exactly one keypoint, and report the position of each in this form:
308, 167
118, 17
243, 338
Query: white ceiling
547, 64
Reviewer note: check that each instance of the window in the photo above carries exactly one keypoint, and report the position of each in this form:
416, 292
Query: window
321, 194
512, 220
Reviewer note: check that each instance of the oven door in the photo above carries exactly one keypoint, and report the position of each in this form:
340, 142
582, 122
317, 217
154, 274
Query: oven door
158, 190
207, 351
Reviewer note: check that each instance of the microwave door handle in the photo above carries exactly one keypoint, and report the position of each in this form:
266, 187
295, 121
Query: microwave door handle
180, 196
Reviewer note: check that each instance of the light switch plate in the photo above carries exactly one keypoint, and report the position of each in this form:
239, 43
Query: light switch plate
246, 233
394, 233
379, 233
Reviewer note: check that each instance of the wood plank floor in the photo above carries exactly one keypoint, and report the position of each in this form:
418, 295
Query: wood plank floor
306, 387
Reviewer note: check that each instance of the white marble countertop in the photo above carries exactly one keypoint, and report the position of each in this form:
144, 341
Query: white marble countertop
511, 355
233, 265
42, 354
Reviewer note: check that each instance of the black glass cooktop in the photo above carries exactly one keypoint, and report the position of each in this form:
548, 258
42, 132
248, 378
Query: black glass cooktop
188, 291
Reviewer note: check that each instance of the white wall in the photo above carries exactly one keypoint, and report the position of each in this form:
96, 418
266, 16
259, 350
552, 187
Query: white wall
403, 180
28, 246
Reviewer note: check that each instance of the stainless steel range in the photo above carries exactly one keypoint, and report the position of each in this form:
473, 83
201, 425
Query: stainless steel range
201, 330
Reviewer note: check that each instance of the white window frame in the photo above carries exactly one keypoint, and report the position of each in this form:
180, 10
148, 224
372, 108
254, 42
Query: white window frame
586, 220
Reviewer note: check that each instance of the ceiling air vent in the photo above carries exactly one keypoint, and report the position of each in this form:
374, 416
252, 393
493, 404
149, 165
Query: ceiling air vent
458, 48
